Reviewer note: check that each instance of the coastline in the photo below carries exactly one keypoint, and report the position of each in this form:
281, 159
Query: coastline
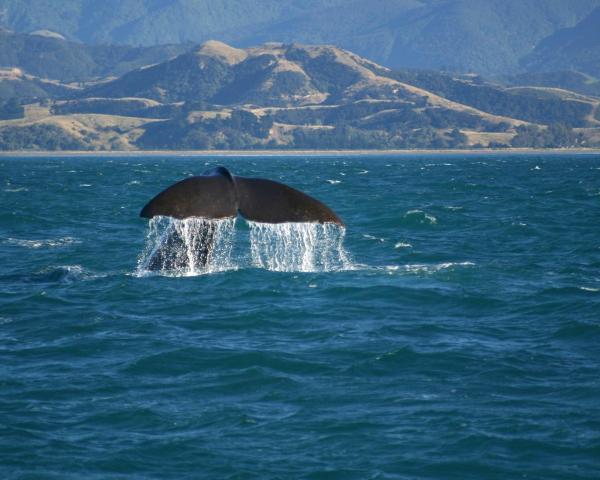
292, 153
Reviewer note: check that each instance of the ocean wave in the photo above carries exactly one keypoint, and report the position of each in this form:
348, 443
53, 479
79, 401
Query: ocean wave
371, 237
42, 243
577, 329
64, 274
419, 268
589, 289
15, 190
419, 217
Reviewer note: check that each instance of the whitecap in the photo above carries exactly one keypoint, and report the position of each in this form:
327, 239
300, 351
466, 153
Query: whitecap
589, 289
334, 182
42, 243
426, 217
402, 245
85, 185
15, 190
433, 268
65, 274
371, 237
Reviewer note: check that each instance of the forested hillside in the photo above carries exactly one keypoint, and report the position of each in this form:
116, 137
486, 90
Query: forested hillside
484, 36
292, 96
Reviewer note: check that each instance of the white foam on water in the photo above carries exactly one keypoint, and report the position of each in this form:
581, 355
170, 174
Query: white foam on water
371, 237
423, 217
42, 243
300, 247
433, 268
184, 256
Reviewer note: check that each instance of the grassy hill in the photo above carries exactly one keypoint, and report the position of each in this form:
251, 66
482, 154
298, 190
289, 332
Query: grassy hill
301, 96
566, 79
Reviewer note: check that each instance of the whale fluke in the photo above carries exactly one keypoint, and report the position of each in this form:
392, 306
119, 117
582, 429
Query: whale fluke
218, 194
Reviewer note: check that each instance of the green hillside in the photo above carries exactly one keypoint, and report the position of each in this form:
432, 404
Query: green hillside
484, 36
296, 96
48, 57
576, 48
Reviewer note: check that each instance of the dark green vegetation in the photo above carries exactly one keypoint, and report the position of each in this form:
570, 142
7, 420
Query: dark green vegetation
576, 48
532, 106
54, 58
294, 96
38, 137
485, 36
566, 79
11, 110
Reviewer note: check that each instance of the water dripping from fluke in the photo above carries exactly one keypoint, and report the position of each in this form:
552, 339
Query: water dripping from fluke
298, 247
188, 247
197, 246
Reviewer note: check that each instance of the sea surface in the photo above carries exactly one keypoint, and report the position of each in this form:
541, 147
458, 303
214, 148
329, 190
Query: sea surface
451, 331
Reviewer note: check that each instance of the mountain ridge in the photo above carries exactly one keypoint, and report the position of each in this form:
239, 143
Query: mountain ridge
483, 36
279, 95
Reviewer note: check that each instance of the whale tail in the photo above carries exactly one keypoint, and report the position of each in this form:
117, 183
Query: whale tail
218, 194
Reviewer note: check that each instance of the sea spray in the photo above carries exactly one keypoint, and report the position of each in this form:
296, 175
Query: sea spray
187, 247
301, 247
196, 246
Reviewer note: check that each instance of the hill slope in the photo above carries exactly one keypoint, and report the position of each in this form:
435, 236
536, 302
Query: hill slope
300, 96
49, 56
576, 48
486, 36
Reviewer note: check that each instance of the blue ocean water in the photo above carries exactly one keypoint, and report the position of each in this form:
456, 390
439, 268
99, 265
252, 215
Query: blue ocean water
457, 338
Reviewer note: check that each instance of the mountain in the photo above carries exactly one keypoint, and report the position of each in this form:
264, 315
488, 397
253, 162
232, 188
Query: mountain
296, 96
576, 48
14, 83
565, 79
45, 54
484, 36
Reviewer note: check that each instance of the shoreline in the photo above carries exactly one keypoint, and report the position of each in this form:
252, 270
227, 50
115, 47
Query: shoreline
295, 153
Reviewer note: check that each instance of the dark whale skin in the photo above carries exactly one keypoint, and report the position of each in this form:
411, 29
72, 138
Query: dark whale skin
218, 194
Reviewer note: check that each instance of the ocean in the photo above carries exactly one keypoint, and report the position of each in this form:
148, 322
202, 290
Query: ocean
451, 331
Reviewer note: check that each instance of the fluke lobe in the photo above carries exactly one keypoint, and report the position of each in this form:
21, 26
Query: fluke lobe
218, 194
